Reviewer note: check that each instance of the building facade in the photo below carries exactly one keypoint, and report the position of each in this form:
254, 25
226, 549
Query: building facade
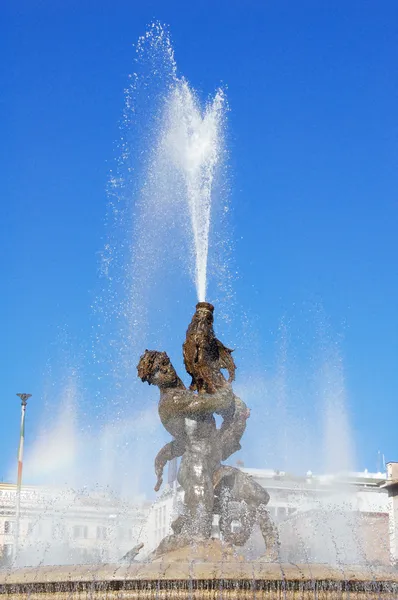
342, 518
59, 526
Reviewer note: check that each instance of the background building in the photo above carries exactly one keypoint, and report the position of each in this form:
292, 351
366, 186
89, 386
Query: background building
341, 518
392, 488
60, 526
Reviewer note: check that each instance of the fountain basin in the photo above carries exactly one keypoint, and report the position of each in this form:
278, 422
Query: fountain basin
196, 580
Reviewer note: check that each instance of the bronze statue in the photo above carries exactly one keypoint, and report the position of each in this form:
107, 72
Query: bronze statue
188, 415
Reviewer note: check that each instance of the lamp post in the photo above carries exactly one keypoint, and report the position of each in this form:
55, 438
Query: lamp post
24, 401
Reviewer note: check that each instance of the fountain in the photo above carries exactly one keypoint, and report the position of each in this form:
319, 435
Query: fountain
209, 487
182, 166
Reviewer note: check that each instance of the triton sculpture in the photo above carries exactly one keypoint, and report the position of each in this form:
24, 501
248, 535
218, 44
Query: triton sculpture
188, 415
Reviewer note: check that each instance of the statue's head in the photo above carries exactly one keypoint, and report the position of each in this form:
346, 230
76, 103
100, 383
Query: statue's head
204, 312
156, 369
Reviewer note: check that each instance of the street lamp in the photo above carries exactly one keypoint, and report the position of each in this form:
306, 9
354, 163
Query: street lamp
24, 401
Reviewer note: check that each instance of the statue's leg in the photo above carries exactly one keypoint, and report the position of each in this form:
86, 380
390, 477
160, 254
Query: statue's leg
256, 496
195, 477
246, 488
193, 387
270, 534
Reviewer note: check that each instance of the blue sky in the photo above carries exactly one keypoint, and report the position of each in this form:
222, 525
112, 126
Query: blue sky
312, 135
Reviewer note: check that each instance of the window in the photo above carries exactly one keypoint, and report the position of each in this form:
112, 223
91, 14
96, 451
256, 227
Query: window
80, 531
9, 526
7, 550
102, 533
